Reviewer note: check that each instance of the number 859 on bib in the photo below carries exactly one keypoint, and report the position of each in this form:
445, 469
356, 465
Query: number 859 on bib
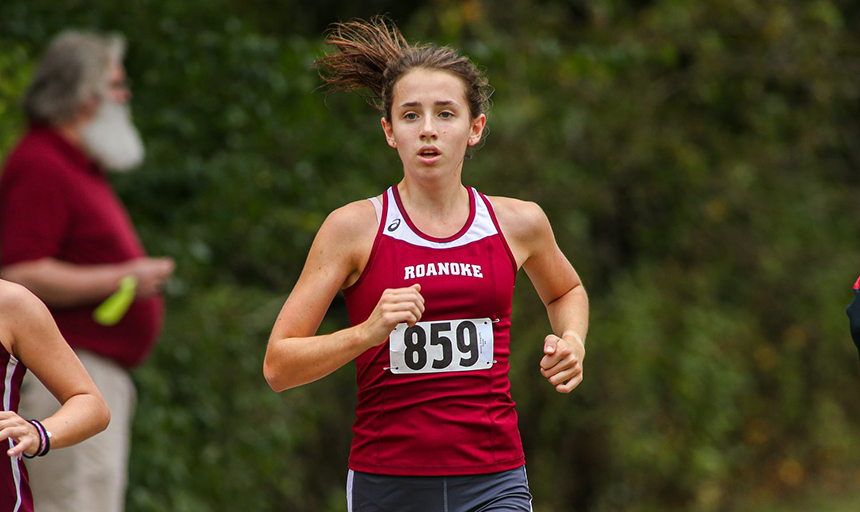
442, 346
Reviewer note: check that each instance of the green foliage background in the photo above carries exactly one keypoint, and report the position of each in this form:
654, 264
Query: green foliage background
698, 161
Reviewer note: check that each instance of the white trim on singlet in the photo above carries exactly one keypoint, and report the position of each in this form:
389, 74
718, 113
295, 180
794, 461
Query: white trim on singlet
377, 205
349, 477
396, 226
7, 406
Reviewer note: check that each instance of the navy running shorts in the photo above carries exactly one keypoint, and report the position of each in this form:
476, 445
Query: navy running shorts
506, 491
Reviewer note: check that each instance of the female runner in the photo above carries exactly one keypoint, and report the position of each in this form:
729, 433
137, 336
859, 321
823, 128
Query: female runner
32, 341
427, 269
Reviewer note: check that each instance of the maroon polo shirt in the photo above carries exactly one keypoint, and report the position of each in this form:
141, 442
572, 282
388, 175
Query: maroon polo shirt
56, 202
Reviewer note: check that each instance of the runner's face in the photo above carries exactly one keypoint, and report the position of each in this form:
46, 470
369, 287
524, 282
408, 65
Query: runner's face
431, 125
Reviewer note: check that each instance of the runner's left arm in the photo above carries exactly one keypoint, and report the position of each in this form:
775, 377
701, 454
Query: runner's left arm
558, 286
36, 341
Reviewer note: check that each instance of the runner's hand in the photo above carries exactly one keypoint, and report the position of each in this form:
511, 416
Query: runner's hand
397, 305
21, 431
562, 361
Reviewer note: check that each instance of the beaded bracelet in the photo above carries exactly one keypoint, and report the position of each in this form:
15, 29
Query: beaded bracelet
44, 440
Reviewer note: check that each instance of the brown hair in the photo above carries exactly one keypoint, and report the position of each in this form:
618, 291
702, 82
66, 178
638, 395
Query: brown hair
374, 55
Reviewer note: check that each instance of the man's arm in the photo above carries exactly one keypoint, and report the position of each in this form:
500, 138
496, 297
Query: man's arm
62, 284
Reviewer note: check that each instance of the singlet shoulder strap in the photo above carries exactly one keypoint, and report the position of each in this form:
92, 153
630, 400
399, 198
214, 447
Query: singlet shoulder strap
381, 212
377, 205
492, 215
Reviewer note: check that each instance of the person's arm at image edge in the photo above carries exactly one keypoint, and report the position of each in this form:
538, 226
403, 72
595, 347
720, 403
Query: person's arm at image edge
37, 343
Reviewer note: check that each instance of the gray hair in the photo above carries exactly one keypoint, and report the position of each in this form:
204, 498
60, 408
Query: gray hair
73, 70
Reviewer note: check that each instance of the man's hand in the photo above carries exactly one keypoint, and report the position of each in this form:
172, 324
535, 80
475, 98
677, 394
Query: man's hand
562, 361
151, 273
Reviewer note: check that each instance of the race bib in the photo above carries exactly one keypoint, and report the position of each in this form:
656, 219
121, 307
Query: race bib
442, 346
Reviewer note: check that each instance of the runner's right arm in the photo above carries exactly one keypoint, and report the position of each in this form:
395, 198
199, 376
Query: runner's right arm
295, 355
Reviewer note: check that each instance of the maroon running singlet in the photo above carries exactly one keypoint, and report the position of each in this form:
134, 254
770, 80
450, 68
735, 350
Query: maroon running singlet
435, 398
15, 493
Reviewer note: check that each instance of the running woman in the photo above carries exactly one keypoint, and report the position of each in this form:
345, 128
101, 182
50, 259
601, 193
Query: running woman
427, 269
31, 340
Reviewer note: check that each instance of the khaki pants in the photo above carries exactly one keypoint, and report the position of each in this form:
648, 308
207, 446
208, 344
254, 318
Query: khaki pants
90, 476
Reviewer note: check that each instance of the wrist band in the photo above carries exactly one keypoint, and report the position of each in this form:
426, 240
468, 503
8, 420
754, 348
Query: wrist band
46, 447
44, 440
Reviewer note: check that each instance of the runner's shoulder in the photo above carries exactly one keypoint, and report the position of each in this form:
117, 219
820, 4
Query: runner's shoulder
18, 303
351, 223
519, 218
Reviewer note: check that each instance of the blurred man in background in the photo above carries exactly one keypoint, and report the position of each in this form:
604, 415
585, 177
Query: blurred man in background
65, 235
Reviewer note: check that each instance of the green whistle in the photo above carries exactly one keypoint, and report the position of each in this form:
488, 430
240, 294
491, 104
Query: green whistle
114, 307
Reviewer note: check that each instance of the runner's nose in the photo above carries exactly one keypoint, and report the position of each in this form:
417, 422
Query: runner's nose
428, 128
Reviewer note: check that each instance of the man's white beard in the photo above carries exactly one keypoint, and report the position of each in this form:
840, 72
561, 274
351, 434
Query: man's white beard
111, 138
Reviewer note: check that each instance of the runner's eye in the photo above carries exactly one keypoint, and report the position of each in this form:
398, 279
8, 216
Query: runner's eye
410, 116
446, 114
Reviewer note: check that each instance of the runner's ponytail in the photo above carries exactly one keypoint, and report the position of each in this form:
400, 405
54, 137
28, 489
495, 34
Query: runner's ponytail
363, 52
373, 55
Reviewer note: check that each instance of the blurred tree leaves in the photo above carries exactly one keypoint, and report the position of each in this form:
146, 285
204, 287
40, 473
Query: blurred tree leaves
699, 164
